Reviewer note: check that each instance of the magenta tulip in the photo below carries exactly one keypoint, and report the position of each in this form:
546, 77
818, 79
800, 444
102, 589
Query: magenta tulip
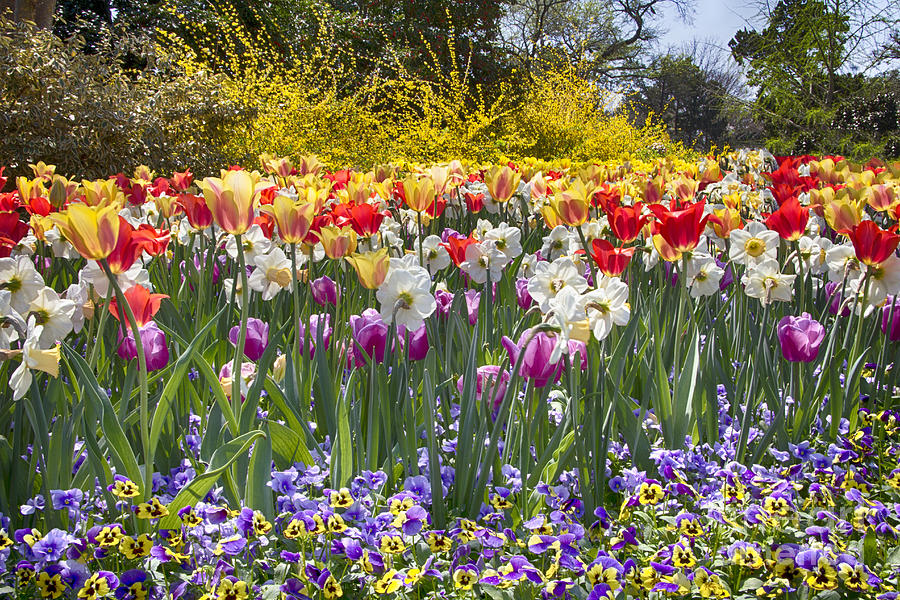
369, 335
487, 378
890, 323
257, 338
324, 291
156, 352
315, 321
800, 337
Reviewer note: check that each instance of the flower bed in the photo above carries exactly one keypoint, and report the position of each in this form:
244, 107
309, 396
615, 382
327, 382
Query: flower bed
519, 380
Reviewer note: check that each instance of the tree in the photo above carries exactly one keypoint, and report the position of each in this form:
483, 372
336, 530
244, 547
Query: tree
607, 37
691, 89
39, 12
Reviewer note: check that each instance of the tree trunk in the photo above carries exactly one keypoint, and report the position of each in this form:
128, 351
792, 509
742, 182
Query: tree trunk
40, 12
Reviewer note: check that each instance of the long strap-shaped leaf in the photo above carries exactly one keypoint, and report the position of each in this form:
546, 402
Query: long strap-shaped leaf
197, 489
116, 441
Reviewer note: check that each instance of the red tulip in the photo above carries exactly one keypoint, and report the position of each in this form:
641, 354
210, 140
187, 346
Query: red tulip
143, 304
626, 222
873, 245
198, 213
789, 220
474, 202
456, 247
612, 261
365, 220
678, 231
128, 248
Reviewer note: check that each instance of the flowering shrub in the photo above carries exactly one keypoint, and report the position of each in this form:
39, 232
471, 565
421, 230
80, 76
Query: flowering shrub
536, 378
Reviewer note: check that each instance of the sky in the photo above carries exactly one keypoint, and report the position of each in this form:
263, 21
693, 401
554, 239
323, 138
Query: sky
715, 21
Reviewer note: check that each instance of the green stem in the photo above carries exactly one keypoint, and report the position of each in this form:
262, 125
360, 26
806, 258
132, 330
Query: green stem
145, 393
242, 336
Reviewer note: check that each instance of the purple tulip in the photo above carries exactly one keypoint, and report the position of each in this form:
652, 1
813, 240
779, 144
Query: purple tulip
324, 291
522, 296
473, 300
890, 324
418, 342
257, 338
444, 301
487, 377
800, 337
835, 300
536, 363
156, 353
323, 320
369, 334
727, 277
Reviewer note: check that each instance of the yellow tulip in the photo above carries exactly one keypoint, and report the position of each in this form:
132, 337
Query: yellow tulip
102, 192
843, 213
337, 242
92, 230
420, 193
573, 203
502, 182
43, 171
371, 267
230, 199
731, 220
29, 189
293, 217
881, 197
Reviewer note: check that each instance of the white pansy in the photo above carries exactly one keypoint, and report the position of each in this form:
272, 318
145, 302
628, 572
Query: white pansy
255, 244
21, 279
272, 274
767, 283
53, 313
550, 278
483, 259
408, 293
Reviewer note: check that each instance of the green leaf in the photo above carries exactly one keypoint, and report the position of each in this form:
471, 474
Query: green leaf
288, 445
176, 377
116, 441
197, 489
256, 493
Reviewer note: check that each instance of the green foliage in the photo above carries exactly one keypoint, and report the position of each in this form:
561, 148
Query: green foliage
91, 116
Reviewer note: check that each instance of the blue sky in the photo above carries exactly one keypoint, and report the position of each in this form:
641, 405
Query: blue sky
713, 20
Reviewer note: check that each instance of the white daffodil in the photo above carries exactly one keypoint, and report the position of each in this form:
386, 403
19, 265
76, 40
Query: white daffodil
884, 280
483, 258
435, 255
255, 244
507, 239
408, 293
753, 244
526, 267
11, 322
59, 246
53, 313
766, 282
33, 358
607, 305
240, 294
272, 274
567, 312
550, 278
93, 274
79, 294
21, 279
482, 226
842, 263
555, 243
703, 275
813, 252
